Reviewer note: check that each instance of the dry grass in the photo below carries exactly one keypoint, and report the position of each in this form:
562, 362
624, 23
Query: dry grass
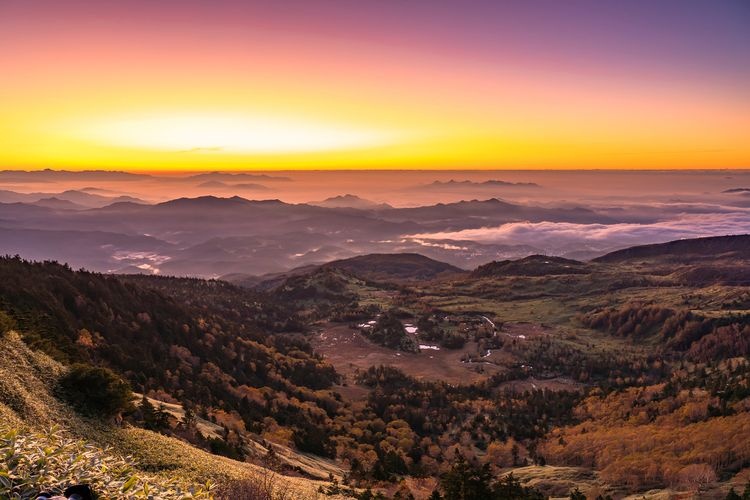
559, 481
311, 465
348, 351
34, 461
37, 426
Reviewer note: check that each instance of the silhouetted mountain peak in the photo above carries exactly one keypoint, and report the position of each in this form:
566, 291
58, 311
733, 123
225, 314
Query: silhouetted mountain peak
350, 201
208, 201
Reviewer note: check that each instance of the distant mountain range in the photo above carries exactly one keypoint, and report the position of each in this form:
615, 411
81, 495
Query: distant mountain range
453, 184
49, 175
350, 201
233, 178
66, 200
209, 236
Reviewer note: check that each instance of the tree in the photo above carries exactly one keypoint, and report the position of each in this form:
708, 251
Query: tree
466, 482
389, 332
697, 475
732, 495
188, 417
577, 495
453, 341
6, 323
369, 495
162, 417
96, 391
403, 493
148, 413
510, 488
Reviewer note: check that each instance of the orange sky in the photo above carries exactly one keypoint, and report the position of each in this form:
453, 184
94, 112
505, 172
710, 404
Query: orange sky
233, 85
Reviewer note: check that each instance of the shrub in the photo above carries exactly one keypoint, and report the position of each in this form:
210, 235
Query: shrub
51, 461
96, 391
267, 485
6, 323
453, 341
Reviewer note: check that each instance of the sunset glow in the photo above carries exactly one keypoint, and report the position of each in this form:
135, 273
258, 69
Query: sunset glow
236, 134
196, 85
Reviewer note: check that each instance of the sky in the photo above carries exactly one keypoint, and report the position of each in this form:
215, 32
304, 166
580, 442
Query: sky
319, 84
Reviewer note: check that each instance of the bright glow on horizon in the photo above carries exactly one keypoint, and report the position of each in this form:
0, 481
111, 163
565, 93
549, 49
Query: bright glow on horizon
225, 134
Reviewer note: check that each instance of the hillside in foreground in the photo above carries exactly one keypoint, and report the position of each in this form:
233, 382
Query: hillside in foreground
55, 447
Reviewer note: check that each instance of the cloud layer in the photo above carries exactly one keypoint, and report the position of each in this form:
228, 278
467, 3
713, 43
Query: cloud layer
561, 237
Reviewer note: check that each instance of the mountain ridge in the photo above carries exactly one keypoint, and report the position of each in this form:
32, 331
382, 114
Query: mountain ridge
736, 246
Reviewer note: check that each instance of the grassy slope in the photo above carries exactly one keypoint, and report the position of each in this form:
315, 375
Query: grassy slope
27, 404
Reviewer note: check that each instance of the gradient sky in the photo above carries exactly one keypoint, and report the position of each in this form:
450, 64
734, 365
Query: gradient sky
158, 85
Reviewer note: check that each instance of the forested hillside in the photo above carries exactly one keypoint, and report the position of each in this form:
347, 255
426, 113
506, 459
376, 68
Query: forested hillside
203, 343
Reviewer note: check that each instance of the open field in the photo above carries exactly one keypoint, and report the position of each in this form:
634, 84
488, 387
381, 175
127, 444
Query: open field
347, 350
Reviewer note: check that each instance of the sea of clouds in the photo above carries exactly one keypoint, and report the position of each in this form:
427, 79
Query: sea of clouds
561, 237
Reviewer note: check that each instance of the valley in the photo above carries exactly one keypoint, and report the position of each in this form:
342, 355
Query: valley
347, 371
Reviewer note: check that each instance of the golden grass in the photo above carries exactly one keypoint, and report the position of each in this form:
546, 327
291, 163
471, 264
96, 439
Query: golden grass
31, 418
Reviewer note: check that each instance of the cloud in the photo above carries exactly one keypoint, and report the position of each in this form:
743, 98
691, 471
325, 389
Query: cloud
444, 246
564, 236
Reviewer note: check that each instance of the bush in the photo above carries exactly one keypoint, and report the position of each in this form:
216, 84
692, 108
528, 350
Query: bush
96, 391
453, 341
6, 323
51, 461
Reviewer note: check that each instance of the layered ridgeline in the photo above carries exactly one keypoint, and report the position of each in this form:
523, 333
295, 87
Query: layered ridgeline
613, 377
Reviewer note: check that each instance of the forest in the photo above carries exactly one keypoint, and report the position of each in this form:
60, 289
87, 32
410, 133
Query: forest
642, 390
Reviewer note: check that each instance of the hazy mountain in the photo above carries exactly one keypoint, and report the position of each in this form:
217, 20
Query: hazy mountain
232, 177
250, 186
84, 199
350, 201
212, 236
93, 200
48, 175
94, 250
493, 211
59, 204
453, 184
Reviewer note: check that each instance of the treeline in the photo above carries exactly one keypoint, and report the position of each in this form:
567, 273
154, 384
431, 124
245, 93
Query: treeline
417, 428
702, 337
672, 434
547, 357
